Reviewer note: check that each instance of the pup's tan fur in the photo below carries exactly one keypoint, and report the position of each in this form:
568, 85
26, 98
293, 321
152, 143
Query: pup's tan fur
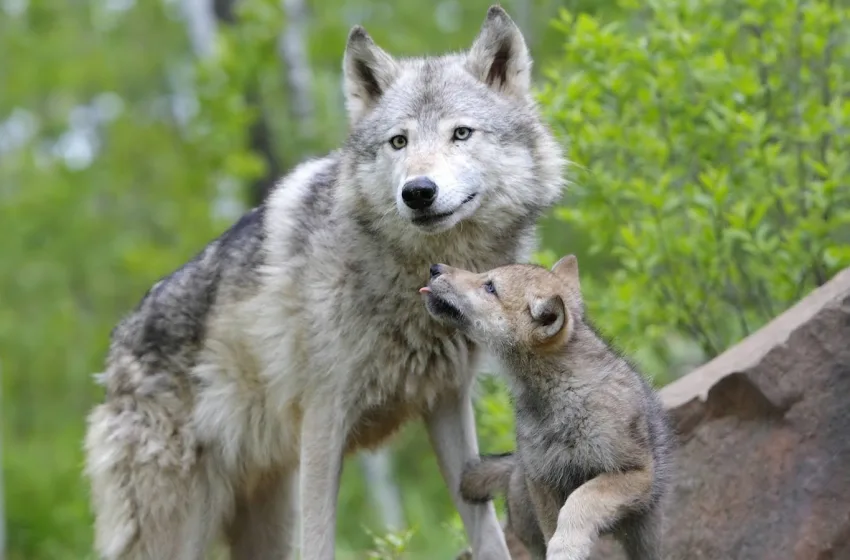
593, 445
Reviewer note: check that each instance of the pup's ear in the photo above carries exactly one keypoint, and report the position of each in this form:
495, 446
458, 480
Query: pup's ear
367, 73
567, 270
549, 315
499, 56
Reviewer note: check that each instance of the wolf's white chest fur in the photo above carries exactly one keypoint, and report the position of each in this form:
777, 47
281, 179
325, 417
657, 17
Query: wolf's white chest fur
384, 360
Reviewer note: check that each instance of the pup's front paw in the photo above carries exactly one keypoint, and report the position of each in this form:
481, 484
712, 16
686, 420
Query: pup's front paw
568, 547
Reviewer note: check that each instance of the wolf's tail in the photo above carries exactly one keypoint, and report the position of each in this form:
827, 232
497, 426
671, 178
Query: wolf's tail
140, 464
483, 478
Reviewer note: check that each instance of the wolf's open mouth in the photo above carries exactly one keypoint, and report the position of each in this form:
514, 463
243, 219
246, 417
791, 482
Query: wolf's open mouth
434, 218
441, 307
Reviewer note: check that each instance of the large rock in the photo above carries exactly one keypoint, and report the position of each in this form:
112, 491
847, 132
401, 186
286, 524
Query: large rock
763, 468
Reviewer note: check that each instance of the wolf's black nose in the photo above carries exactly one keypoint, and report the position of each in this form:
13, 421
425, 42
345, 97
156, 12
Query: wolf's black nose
435, 270
419, 193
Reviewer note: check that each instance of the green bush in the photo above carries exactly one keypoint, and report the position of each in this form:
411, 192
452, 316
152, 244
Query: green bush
711, 146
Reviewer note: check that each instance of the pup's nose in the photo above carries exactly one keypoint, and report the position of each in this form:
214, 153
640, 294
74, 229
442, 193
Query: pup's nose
436, 270
419, 193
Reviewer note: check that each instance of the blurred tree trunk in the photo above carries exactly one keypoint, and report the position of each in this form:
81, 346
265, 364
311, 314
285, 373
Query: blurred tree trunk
383, 489
261, 142
200, 21
260, 135
296, 66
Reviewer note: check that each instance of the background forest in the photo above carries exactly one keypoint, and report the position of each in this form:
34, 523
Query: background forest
709, 192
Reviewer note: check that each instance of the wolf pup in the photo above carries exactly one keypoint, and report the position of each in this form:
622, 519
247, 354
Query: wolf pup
298, 335
593, 446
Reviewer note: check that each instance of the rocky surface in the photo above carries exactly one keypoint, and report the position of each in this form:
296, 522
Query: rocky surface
763, 466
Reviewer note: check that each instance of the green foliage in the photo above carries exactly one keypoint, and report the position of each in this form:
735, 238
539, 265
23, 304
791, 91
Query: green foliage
494, 415
390, 546
710, 139
243, 57
82, 239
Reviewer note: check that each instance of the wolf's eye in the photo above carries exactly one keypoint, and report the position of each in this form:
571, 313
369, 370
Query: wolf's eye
462, 133
398, 142
489, 287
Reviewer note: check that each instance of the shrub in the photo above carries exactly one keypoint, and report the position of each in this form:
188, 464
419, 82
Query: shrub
711, 146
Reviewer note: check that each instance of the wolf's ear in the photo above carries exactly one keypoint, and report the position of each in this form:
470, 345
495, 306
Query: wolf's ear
499, 56
549, 315
367, 70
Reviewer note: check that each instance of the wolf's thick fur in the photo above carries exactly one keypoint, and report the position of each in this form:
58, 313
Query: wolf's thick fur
298, 335
593, 444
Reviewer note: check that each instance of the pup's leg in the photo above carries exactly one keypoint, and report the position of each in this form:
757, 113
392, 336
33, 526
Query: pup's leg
150, 494
264, 522
546, 508
594, 506
640, 535
523, 532
323, 433
451, 428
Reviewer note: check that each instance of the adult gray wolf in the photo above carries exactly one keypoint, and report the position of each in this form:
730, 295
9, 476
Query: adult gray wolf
593, 443
298, 335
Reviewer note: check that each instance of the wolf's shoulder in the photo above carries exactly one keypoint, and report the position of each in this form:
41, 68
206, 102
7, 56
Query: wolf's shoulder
169, 322
307, 189
171, 318
301, 204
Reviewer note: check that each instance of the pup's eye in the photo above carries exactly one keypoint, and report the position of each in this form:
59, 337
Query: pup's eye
398, 142
462, 133
489, 287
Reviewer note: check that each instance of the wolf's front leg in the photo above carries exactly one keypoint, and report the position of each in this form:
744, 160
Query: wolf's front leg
323, 430
451, 427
